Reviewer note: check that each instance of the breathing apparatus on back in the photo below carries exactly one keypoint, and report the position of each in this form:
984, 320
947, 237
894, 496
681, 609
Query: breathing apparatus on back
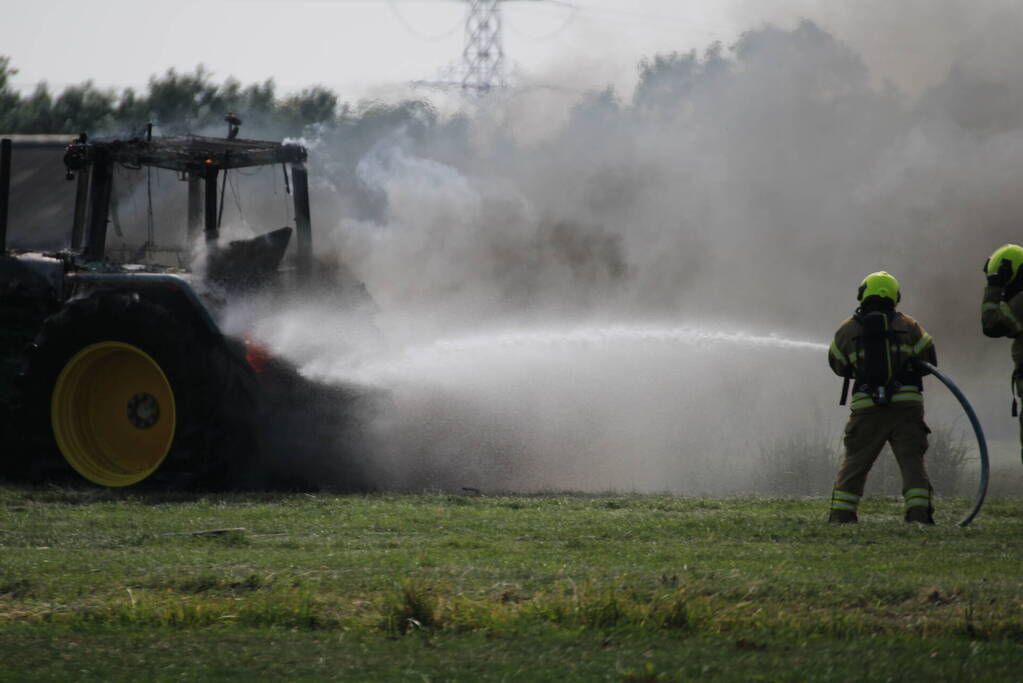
882, 370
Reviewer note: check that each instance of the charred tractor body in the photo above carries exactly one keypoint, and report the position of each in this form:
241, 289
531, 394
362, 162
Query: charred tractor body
118, 373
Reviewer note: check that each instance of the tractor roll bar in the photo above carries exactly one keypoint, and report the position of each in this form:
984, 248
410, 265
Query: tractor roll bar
5, 146
5, 189
201, 160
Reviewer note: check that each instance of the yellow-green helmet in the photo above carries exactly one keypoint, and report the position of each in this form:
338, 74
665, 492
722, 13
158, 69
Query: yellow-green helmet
1013, 252
879, 284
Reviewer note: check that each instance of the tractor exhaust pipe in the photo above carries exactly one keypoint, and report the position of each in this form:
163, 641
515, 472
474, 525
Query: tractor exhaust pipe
5, 189
981, 443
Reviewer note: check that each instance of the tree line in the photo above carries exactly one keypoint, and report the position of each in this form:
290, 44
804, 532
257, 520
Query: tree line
176, 102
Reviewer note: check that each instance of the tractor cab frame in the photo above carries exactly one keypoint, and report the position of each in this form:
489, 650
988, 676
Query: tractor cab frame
200, 160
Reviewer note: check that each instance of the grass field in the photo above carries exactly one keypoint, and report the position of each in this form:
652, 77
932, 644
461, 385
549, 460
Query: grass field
101, 586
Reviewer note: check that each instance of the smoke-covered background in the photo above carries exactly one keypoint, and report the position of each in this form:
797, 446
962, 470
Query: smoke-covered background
747, 188
578, 290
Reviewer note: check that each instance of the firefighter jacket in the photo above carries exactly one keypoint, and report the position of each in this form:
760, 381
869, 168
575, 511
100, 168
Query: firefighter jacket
1004, 319
908, 340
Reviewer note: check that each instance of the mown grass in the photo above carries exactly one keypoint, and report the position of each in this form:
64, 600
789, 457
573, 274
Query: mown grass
101, 585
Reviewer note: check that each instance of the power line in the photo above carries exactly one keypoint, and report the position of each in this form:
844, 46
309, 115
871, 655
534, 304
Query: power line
552, 34
640, 17
411, 29
483, 56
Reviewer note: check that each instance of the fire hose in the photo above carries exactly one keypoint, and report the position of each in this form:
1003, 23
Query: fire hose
981, 443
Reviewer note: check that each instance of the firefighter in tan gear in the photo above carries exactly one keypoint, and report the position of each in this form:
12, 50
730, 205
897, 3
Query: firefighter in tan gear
875, 349
1001, 313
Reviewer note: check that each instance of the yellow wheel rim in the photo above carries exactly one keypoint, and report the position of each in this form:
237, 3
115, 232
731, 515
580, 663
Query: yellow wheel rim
113, 413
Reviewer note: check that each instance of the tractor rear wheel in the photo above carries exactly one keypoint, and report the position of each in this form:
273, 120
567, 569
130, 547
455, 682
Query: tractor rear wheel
113, 413
130, 395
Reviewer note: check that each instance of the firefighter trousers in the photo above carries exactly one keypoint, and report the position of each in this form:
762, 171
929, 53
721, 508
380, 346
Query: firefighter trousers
866, 434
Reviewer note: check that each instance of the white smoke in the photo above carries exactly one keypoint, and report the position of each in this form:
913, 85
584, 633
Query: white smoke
740, 191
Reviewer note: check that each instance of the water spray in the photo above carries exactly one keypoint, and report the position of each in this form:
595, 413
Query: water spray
981, 443
579, 338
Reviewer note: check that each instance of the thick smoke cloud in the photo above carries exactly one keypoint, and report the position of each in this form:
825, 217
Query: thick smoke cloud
549, 299
913, 43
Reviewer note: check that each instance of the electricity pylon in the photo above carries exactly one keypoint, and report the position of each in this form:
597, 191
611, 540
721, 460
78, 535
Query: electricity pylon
483, 56
482, 67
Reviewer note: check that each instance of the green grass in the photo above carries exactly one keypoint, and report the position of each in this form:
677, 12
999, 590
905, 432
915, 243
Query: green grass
104, 585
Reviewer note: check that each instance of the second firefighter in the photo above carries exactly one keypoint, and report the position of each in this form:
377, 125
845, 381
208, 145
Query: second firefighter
1002, 310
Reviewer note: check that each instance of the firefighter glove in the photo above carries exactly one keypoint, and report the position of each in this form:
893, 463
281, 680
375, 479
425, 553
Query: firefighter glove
1002, 276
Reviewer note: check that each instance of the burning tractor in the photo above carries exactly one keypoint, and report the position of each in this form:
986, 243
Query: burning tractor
119, 373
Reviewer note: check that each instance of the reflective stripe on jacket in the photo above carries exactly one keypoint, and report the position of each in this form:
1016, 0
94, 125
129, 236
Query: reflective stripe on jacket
909, 340
1000, 318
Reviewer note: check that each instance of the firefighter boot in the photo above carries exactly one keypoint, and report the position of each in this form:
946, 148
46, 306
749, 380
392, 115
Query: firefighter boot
842, 517
920, 515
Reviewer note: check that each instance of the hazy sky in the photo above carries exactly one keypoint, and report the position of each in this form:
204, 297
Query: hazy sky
356, 46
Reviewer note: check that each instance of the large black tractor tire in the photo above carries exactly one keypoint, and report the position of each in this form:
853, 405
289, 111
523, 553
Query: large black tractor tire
119, 392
